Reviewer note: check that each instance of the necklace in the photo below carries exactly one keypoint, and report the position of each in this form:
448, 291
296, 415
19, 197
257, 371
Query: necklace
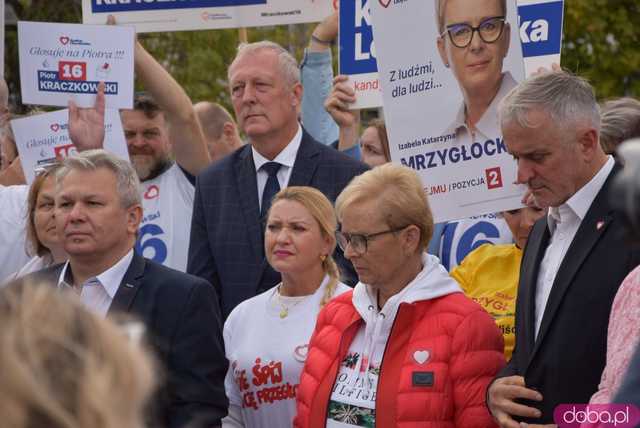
284, 309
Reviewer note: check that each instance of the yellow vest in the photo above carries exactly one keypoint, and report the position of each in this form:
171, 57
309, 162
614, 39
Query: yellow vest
489, 275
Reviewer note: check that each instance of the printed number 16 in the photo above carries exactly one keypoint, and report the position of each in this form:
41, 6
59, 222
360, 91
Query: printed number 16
71, 70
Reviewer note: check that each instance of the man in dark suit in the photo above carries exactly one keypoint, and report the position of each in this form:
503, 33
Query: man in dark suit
234, 194
575, 258
98, 211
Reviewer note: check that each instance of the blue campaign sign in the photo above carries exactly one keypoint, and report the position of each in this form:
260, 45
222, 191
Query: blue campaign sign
110, 6
541, 28
357, 50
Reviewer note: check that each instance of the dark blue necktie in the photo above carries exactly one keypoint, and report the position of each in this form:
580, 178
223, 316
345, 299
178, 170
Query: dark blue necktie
271, 188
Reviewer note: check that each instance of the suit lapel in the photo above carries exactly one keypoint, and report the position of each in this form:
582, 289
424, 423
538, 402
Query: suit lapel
306, 162
592, 228
247, 190
131, 283
536, 247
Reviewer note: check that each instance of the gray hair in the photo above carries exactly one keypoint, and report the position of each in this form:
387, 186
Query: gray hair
128, 184
288, 64
441, 6
620, 122
568, 99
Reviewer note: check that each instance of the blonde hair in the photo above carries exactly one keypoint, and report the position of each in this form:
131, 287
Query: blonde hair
34, 246
64, 367
401, 199
321, 210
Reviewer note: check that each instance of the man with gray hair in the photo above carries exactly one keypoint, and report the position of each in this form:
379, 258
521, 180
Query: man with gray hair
234, 194
575, 257
98, 211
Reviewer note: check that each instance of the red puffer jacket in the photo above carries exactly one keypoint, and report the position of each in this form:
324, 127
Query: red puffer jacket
465, 351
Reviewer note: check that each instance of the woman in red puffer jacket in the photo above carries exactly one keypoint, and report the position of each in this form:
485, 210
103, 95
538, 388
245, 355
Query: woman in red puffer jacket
406, 348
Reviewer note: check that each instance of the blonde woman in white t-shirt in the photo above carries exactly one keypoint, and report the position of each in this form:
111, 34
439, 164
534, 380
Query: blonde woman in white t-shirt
266, 337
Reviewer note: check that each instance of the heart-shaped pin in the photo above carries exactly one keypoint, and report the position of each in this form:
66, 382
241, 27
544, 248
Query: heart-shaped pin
64, 40
54, 127
300, 353
385, 3
152, 192
421, 357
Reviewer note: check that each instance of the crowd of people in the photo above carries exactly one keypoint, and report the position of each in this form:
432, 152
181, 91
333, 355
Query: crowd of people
275, 268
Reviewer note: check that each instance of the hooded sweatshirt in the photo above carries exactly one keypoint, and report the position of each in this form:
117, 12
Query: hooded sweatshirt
353, 397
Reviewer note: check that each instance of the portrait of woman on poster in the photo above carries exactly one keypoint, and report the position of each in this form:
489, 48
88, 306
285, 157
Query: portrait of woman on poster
473, 42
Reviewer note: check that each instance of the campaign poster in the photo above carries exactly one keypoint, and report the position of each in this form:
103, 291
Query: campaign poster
44, 138
178, 15
62, 62
358, 53
441, 99
540, 24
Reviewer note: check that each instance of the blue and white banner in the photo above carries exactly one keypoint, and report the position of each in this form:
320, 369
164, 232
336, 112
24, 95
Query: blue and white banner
62, 62
358, 53
177, 15
540, 24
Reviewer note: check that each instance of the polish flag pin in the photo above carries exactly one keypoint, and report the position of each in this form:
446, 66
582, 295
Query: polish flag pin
600, 225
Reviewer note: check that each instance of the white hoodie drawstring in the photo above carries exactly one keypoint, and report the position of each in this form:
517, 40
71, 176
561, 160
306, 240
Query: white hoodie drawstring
376, 322
368, 324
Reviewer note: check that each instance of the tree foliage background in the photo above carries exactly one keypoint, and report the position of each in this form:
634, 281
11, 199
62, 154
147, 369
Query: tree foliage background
601, 39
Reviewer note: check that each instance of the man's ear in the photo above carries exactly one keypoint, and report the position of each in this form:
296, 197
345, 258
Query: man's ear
297, 94
589, 143
228, 130
134, 217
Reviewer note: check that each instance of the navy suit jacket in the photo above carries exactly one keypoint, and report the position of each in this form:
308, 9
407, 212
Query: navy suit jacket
184, 325
566, 360
226, 245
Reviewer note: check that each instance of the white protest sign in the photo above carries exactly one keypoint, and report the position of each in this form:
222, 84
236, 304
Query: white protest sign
358, 53
59, 62
466, 171
177, 15
43, 138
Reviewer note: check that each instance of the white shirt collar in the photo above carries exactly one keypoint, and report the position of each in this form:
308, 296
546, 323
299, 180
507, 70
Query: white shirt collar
581, 201
487, 123
286, 157
109, 279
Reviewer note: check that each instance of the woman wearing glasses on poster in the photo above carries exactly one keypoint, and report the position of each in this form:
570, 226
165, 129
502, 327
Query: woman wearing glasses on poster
473, 42
405, 347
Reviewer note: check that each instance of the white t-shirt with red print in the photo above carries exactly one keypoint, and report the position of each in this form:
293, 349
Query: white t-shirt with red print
167, 203
266, 353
